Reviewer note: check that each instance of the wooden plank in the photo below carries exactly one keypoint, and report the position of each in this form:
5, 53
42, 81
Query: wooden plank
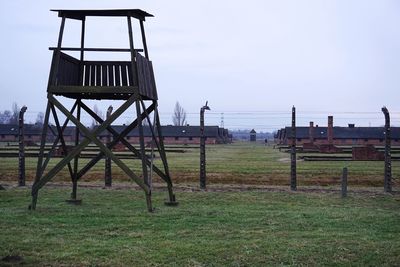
130, 78
104, 75
101, 62
117, 75
111, 75
61, 69
92, 75
98, 75
153, 82
93, 89
87, 75
124, 78
68, 73
95, 49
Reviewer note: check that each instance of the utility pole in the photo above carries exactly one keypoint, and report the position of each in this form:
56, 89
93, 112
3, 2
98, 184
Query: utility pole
293, 175
203, 148
21, 152
107, 170
388, 157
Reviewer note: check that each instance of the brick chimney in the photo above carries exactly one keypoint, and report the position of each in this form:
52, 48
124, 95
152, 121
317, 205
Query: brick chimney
311, 132
330, 130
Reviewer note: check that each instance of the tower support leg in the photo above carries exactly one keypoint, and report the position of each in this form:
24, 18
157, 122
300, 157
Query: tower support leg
39, 168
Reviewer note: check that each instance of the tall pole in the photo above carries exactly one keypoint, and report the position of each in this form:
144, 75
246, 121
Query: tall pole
293, 176
138, 112
21, 152
388, 158
203, 148
76, 159
107, 171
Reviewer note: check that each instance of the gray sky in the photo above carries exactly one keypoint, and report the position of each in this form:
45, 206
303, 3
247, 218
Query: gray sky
252, 60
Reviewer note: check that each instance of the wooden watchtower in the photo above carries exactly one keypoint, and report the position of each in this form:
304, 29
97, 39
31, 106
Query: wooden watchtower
78, 79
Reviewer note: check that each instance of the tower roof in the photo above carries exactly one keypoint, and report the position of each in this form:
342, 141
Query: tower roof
82, 13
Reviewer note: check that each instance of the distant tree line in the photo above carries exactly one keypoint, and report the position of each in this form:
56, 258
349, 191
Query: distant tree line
12, 116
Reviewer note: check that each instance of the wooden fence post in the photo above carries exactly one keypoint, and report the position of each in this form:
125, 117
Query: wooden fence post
344, 182
21, 151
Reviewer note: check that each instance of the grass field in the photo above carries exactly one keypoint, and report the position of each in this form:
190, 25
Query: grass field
239, 163
112, 228
313, 226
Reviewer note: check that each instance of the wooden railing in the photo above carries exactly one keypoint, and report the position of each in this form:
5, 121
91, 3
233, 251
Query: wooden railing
71, 72
107, 73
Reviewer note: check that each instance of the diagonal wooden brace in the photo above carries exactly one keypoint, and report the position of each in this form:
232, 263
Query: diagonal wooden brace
50, 153
85, 142
110, 145
103, 148
119, 137
61, 137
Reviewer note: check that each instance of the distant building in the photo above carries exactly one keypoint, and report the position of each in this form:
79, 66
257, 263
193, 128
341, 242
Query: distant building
253, 135
338, 136
171, 134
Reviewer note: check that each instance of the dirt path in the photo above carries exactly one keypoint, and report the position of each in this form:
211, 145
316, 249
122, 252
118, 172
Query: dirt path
218, 188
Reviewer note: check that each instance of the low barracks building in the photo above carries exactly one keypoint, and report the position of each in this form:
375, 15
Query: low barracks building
171, 134
339, 136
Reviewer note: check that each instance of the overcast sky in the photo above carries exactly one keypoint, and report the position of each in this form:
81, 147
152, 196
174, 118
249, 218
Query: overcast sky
252, 60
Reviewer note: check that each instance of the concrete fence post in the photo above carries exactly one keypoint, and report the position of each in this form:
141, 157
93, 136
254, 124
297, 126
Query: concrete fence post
388, 159
203, 148
107, 170
21, 150
293, 174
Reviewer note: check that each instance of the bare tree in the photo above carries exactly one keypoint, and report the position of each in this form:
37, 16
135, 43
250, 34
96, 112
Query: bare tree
5, 117
10, 117
99, 113
15, 114
39, 119
179, 117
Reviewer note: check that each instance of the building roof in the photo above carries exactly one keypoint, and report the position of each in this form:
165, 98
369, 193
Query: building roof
82, 13
173, 131
343, 132
167, 131
253, 131
31, 129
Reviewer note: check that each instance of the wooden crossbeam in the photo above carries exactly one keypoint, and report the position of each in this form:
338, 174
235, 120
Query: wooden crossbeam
50, 153
120, 138
90, 136
39, 169
61, 137
110, 145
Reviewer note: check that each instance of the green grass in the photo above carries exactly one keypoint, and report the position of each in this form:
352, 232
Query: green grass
112, 228
238, 163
